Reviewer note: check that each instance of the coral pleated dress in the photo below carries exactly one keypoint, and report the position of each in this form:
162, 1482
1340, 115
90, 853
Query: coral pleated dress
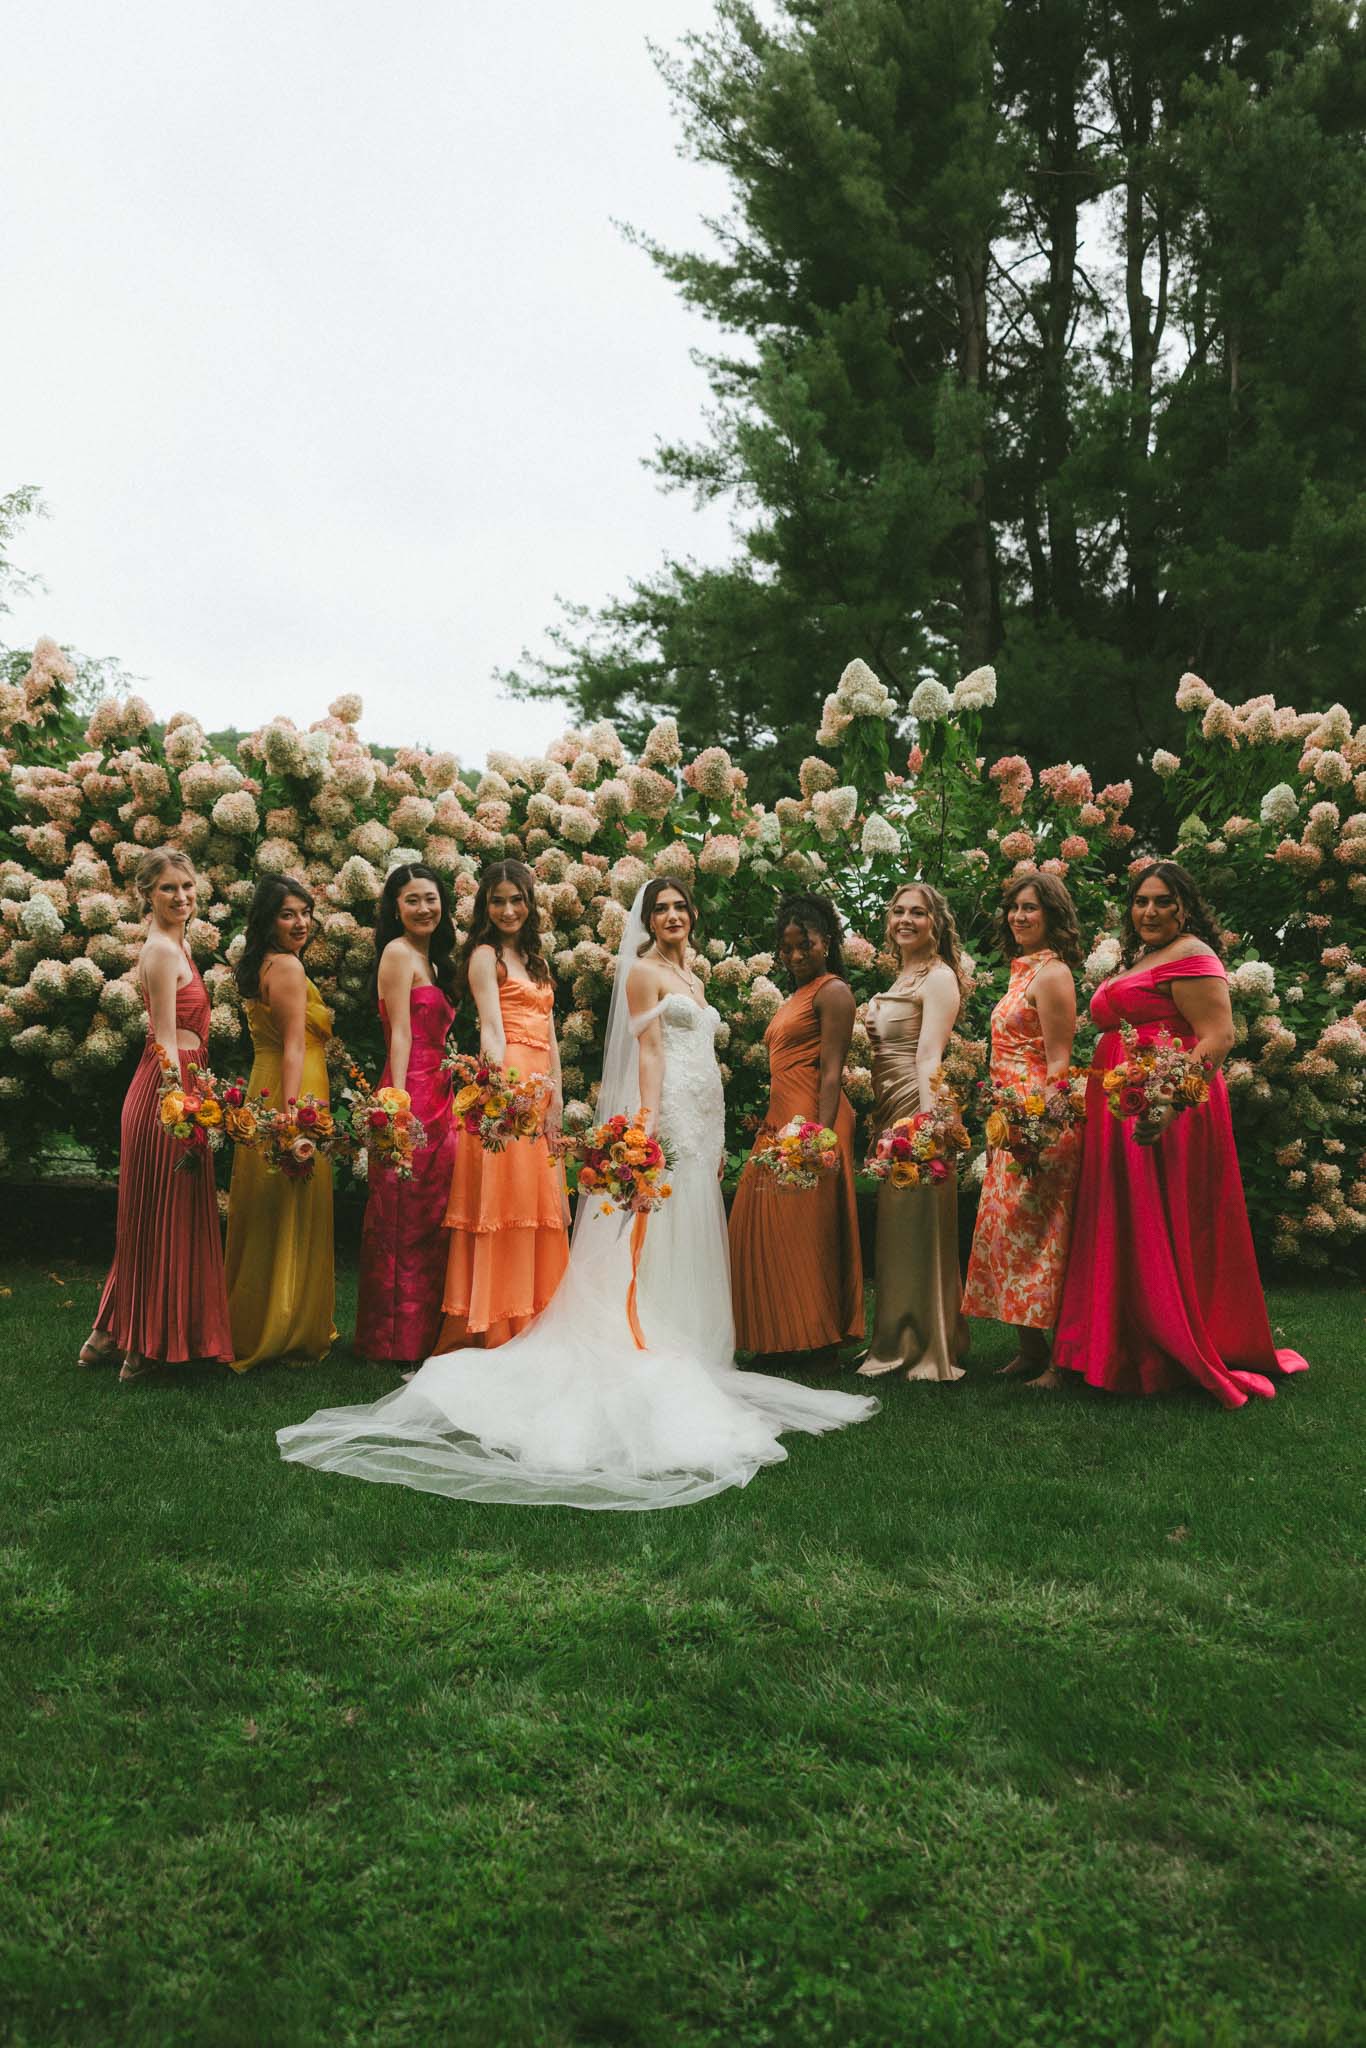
403, 1245
796, 1268
280, 1273
1024, 1226
1162, 1288
164, 1297
507, 1212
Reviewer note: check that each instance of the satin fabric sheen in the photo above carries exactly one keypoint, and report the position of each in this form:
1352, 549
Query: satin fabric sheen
796, 1268
164, 1297
1024, 1226
507, 1214
403, 1243
919, 1329
279, 1263
1162, 1286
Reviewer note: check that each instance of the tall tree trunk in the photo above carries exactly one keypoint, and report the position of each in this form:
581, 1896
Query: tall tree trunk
978, 596
1063, 189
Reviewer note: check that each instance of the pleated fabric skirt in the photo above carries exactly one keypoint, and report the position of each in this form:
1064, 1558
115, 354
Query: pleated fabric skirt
165, 1297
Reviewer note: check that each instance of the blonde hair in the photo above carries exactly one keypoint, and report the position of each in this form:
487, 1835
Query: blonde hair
154, 864
941, 917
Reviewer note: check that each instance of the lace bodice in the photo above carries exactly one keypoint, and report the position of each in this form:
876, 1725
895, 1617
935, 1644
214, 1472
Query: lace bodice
692, 1103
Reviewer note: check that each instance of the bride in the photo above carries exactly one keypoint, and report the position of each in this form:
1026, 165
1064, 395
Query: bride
571, 1412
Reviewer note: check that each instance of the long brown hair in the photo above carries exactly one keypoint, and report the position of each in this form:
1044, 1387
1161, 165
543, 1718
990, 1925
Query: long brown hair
1061, 929
272, 894
945, 930
650, 897
1199, 920
483, 931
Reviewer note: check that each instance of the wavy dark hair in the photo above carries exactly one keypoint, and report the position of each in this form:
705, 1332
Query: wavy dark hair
946, 942
813, 914
389, 925
1199, 920
653, 891
483, 932
272, 894
1061, 929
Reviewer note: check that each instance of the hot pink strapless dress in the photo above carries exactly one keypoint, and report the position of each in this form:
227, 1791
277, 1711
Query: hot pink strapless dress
403, 1244
1162, 1287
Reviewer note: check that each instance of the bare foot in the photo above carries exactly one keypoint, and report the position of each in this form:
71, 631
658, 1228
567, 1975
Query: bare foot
1048, 1382
1018, 1367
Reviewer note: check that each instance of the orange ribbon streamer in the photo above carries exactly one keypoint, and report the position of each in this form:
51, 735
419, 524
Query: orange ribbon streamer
637, 1246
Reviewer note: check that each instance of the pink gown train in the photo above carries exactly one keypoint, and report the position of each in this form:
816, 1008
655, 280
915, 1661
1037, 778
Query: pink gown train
1162, 1288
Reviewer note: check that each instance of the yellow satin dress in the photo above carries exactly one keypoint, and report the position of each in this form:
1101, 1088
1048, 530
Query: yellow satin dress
280, 1273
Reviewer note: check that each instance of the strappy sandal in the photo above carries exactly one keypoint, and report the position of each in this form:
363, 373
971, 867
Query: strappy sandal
136, 1368
97, 1350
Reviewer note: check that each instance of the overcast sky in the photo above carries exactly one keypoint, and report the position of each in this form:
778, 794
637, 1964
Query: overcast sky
324, 350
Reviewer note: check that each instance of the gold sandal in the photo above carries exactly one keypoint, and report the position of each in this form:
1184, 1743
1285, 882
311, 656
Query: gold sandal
97, 1350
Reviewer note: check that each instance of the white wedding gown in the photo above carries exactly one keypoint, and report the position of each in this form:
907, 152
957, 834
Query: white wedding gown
571, 1413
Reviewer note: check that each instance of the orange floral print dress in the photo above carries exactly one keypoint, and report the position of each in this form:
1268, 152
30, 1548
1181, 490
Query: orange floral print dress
1024, 1227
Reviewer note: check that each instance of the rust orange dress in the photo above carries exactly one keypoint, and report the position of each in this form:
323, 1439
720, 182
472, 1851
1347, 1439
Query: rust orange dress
796, 1269
507, 1210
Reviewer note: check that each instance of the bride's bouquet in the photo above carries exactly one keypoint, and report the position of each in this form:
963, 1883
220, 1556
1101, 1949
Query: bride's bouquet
1161, 1074
801, 1154
497, 1104
1028, 1122
919, 1151
623, 1163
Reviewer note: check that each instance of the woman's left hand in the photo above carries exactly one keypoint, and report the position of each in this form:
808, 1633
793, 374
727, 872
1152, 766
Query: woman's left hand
1149, 1128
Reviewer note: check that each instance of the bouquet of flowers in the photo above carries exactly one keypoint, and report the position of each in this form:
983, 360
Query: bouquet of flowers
1161, 1074
1028, 1122
293, 1138
917, 1151
801, 1154
376, 1125
191, 1110
497, 1104
623, 1163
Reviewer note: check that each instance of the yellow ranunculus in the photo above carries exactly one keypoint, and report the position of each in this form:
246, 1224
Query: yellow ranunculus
173, 1108
1034, 1105
394, 1098
209, 1113
467, 1099
998, 1129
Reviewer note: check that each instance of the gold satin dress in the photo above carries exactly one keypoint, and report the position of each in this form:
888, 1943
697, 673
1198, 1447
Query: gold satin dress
919, 1331
279, 1259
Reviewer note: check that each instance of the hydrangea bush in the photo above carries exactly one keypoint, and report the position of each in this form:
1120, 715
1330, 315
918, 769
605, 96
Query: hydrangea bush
1266, 805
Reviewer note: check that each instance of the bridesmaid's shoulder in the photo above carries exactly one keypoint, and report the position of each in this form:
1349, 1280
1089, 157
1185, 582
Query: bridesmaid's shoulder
1191, 948
836, 995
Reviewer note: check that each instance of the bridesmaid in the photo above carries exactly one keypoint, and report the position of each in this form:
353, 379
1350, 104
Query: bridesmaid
797, 1274
1019, 1247
280, 1272
1162, 1288
919, 1331
508, 1211
403, 1243
164, 1301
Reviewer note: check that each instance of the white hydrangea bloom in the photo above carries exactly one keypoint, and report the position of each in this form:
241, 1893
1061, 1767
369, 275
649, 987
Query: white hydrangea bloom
1165, 764
1256, 978
1279, 806
930, 700
39, 919
879, 836
976, 691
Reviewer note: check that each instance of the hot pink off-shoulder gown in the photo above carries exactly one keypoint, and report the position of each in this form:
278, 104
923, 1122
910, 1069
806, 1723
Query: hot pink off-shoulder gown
1162, 1287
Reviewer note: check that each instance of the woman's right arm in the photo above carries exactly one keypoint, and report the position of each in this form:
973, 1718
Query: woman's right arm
396, 994
939, 1014
1055, 1000
159, 969
286, 997
642, 995
484, 988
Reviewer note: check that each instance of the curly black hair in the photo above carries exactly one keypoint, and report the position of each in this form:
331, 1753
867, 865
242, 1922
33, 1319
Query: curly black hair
816, 915
272, 894
1198, 919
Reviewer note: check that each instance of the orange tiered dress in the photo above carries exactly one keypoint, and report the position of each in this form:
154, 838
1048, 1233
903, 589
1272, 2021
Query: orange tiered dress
1024, 1227
508, 1210
796, 1268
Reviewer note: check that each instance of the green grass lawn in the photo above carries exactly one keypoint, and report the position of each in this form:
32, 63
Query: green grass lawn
1001, 1719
